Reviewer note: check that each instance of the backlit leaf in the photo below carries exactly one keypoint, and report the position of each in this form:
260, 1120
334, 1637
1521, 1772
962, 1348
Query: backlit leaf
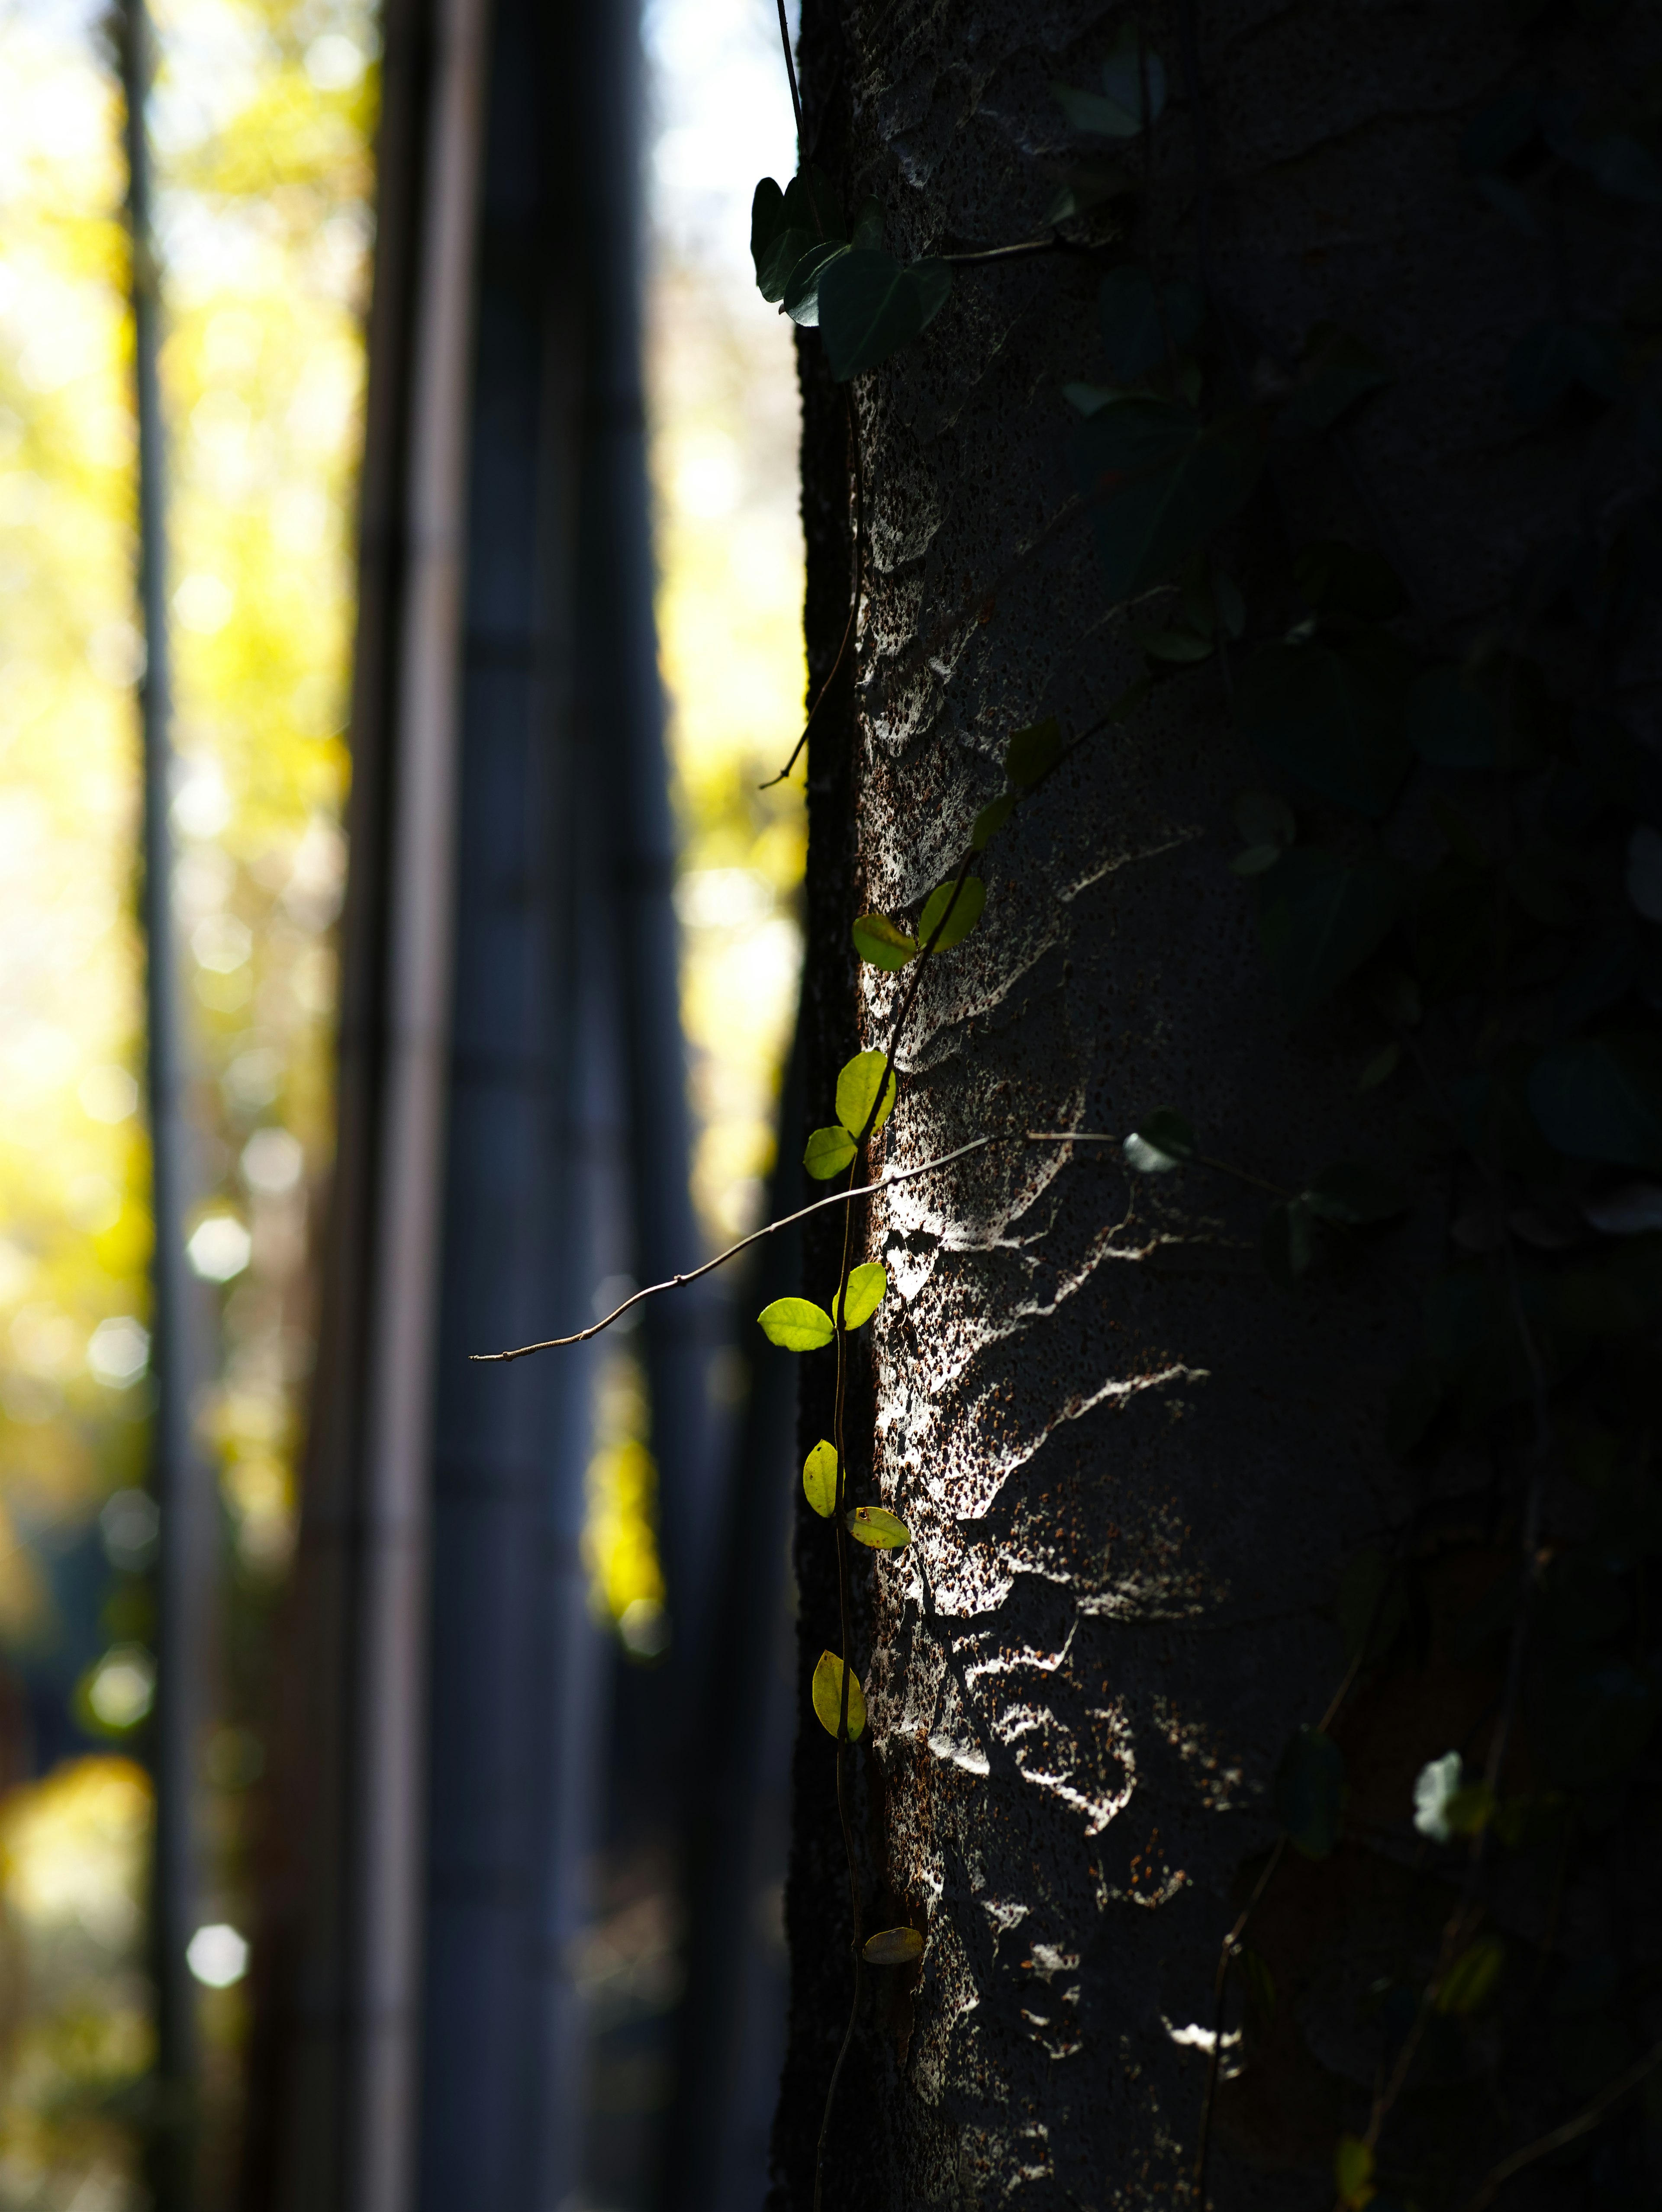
1352, 2172
893, 1946
828, 1151
820, 1478
1033, 752
882, 1531
1309, 1792
857, 1089
1469, 1982
866, 1285
796, 1324
1159, 481
882, 943
1319, 916
801, 298
1163, 1140
1143, 324
1332, 715
784, 226
828, 1696
971, 897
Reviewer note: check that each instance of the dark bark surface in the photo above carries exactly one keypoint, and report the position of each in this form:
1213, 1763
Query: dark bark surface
1133, 1471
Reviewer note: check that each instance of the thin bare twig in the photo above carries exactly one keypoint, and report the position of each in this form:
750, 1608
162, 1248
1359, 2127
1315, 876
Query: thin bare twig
790, 72
857, 585
1588, 2119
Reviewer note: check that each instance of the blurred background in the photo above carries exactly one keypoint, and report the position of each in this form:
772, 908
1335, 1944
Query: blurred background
482, 594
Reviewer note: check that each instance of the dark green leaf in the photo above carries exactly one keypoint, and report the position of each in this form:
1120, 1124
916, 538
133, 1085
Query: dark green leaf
1288, 1245
870, 307
1164, 1140
893, 1946
1352, 2172
866, 1285
1087, 399
800, 299
1256, 859
1332, 716
1337, 370
1319, 916
1089, 111
1449, 721
1469, 1982
866, 230
1380, 1066
1160, 481
1339, 579
786, 225
1309, 1792
1085, 189
1600, 1098
1264, 817
767, 220
796, 1324
1371, 1604
856, 1088
1181, 647
882, 943
828, 1696
881, 1530
964, 900
1033, 752
1549, 362
828, 1151
820, 1478
1144, 326
1352, 1195
991, 819
1131, 65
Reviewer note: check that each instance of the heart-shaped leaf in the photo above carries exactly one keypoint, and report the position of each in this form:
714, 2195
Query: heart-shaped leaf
828, 1696
796, 1324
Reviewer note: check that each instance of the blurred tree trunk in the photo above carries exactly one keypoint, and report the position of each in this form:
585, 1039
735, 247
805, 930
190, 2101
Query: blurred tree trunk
1134, 1471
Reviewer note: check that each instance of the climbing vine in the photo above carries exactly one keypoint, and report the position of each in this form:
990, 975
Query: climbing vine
1456, 846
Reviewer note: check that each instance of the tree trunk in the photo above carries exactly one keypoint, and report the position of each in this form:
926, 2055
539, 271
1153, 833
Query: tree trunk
1133, 1469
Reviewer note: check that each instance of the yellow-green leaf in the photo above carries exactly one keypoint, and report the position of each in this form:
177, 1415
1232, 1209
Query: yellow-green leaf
828, 1696
1471, 1980
883, 943
820, 1478
1353, 2171
796, 1324
828, 1153
866, 1287
965, 911
893, 1946
882, 1530
857, 1087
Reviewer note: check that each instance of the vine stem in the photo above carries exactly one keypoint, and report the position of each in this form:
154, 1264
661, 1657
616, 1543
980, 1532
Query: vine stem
790, 72
856, 585
1543, 2146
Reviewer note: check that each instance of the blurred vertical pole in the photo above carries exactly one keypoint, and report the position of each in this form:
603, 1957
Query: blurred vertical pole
176, 1475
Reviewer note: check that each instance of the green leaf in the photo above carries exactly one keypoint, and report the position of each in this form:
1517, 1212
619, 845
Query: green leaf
1370, 1605
828, 1151
857, 1088
1339, 579
767, 220
866, 231
990, 819
1600, 1098
1118, 110
965, 912
1033, 752
1353, 2171
1450, 722
882, 1531
893, 1946
784, 226
1092, 111
1380, 1067
1309, 1792
866, 1287
1288, 1245
1164, 1140
1332, 716
1319, 916
1159, 481
796, 1324
870, 307
1265, 818
1182, 647
1469, 1982
1255, 860
1352, 1195
801, 298
820, 1478
882, 943
1336, 371
1144, 326
828, 1696
1086, 188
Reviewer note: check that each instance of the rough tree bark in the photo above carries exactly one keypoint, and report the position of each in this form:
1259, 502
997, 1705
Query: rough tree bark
1133, 1470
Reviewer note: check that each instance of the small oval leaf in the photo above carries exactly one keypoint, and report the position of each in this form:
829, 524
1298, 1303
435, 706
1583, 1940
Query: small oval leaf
1469, 1982
828, 1151
857, 1087
990, 819
964, 911
820, 1478
1033, 752
796, 1324
882, 1530
866, 1287
882, 943
893, 1946
828, 1696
